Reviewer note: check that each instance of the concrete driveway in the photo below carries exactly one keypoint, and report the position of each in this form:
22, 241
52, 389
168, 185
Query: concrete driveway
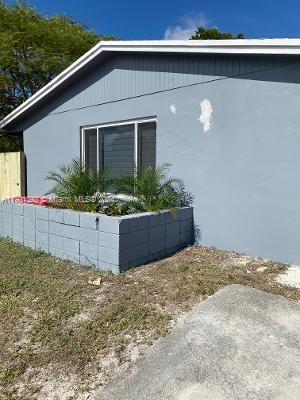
240, 344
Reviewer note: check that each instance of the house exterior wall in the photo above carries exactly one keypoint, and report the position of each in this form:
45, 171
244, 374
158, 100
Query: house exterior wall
231, 131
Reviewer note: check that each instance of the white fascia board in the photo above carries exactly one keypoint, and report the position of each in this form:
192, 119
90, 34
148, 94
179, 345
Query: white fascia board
237, 46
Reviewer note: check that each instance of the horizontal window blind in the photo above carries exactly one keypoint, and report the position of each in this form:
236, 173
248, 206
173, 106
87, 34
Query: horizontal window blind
119, 147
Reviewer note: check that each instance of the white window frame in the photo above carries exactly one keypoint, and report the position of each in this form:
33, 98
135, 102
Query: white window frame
134, 122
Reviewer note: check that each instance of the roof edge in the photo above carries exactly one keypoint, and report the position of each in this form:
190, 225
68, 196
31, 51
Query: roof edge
236, 46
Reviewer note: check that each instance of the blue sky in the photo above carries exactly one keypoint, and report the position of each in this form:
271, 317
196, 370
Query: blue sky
176, 19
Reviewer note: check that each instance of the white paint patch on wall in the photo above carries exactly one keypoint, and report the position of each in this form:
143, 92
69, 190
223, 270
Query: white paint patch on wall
173, 108
206, 115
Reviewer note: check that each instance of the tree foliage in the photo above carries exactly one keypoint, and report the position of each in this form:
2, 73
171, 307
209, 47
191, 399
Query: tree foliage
10, 143
214, 34
34, 49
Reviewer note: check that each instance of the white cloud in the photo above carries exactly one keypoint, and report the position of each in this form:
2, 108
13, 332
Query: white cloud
187, 27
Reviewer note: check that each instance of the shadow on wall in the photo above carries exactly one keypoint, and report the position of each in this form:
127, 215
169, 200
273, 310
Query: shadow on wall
197, 234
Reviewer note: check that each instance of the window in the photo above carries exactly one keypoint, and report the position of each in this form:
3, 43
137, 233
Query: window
120, 146
90, 148
147, 144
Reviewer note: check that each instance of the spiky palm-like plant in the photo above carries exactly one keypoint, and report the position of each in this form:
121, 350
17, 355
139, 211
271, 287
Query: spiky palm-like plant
74, 180
154, 190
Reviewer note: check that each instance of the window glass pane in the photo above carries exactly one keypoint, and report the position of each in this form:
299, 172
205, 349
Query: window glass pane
117, 147
90, 148
147, 144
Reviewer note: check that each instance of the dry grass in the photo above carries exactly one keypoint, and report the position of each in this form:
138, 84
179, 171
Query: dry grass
57, 327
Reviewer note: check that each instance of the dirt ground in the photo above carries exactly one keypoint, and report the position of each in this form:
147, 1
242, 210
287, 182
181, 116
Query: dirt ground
67, 330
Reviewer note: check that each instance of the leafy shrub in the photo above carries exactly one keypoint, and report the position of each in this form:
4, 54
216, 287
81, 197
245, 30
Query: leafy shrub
75, 180
149, 189
153, 190
104, 204
75, 205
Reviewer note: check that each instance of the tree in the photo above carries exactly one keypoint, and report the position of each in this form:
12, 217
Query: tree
10, 143
214, 34
34, 49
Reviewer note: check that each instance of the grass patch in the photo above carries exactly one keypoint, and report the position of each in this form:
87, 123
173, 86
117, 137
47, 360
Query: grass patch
51, 316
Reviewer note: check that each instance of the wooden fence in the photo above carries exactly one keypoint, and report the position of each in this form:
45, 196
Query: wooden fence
12, 175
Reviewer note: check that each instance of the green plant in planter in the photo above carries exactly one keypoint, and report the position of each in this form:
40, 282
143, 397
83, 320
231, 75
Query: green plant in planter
75, 180
154, 190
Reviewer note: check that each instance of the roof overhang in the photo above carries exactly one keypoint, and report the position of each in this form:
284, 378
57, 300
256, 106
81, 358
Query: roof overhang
240, 46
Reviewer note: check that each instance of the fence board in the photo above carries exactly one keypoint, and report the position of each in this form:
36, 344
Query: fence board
12, 175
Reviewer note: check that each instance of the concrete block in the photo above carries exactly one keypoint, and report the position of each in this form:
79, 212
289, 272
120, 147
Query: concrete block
137, 262
71, 232
41, 247
89, 236
56, 242
172, 228
7, 230
71, 257
113, 224
171, 240
124, 256
156, 256
91, 262
172, 217
42, 225
29, 235
42, 213
157, 219
113, 243
56, 215
18, 209
113, 240
89, 220
29, 210
55, 228
71, 245
124, 241
18, 220
59, 253
156, 246
18, 234
108, 255
89, 250
29, 243
170, 251
29, 223
140, 251
42, 239
139, 237
7, 218
106, 266
139, 222
71, 217
7, 207
186, 238
113, 256
185, 225
157, 232
186, 213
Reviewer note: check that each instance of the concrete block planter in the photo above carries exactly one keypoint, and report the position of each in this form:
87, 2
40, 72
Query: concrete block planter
110, 243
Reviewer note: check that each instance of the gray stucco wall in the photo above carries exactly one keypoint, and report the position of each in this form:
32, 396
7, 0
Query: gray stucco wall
243, 172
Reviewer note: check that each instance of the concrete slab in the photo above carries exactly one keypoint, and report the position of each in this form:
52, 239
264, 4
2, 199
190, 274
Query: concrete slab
240, 344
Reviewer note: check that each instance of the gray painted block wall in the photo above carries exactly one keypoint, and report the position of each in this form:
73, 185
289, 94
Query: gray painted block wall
111, 243
243, 172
